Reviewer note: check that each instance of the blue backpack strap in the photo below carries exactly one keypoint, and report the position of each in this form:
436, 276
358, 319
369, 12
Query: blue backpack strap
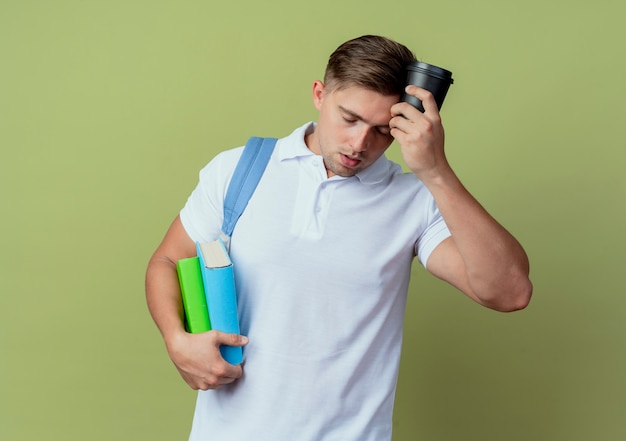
248, 172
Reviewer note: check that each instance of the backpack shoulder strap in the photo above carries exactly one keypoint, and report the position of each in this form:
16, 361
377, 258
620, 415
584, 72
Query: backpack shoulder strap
248, 172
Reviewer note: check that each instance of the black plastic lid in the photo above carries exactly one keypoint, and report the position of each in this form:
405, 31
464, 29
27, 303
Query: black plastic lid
431, 69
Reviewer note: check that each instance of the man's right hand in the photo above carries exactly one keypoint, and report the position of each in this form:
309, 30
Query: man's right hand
199, 361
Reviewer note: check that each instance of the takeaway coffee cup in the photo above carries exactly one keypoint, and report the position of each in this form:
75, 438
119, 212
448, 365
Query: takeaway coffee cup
432, 78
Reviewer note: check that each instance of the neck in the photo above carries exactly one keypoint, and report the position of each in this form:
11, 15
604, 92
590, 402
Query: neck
312, 142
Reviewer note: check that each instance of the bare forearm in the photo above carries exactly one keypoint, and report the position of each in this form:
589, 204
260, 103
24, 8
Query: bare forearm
162, 288
163, 296
495, 264
196, 356
481, 258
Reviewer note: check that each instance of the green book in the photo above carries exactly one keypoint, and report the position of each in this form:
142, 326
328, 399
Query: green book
194, 299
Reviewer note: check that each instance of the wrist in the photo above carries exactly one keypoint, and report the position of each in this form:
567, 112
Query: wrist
437, 176
173, 333
174, 340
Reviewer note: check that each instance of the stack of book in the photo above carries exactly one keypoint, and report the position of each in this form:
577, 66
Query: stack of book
207, 285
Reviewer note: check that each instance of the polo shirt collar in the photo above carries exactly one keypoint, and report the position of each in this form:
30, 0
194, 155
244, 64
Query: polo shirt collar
295, 147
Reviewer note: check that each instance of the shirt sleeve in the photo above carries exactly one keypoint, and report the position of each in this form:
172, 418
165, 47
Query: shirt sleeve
435, 233
203, 213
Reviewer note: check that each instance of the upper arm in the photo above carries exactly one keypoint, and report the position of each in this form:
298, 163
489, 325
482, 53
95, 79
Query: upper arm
176, 244
445, 263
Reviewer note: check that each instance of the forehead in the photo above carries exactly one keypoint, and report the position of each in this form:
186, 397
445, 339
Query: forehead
370, 106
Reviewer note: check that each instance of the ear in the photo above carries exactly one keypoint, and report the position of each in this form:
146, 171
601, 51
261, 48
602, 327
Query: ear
318, 94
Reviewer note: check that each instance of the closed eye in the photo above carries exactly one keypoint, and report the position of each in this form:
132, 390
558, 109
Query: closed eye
350, 118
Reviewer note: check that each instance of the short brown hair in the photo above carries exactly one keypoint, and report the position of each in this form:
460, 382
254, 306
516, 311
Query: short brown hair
372, 62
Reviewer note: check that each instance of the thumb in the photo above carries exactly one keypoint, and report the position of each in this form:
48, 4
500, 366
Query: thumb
231, 339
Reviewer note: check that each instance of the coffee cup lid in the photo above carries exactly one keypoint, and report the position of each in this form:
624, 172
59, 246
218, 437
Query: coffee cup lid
430, 69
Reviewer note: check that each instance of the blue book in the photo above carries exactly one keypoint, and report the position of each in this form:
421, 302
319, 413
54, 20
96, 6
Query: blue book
221, 296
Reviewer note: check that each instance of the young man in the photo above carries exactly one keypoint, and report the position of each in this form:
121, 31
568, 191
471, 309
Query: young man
323, 254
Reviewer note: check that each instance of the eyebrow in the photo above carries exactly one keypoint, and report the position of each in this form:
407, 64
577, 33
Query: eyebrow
360, 118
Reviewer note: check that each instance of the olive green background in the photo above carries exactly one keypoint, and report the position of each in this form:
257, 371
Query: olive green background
108, 109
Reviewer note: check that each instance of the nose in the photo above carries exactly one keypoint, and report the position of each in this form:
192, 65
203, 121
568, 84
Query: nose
360, 140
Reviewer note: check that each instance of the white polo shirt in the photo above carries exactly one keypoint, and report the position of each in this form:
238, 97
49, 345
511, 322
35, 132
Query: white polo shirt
322, 268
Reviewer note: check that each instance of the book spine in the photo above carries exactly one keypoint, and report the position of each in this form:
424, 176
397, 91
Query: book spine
192, 291
221, 299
